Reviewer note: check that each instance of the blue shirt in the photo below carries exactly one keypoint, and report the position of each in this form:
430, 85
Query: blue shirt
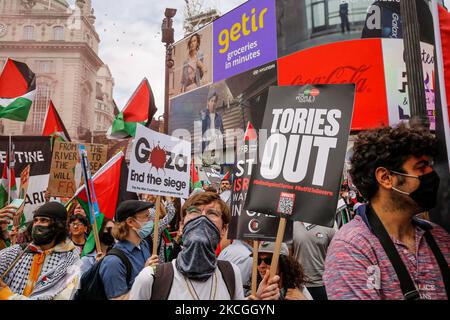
114, 272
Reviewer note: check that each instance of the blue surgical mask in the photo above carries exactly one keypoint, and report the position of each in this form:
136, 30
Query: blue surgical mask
145, 230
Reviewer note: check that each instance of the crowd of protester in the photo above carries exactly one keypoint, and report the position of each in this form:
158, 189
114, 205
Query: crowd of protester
391, 181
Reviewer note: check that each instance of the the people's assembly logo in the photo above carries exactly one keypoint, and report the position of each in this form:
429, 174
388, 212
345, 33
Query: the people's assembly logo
308, 96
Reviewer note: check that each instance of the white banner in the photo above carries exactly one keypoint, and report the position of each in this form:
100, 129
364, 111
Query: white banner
159, 165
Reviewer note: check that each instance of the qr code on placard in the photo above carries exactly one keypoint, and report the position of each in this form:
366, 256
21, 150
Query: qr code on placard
286, 203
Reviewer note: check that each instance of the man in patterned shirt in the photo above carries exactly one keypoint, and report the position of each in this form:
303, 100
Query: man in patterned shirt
392, 168
49, 267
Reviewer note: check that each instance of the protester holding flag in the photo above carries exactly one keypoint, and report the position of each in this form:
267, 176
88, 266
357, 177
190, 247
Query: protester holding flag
133, 225
205, 221
46, 269
375, 256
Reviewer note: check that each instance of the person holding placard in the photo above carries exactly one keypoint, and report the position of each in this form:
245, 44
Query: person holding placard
196, 274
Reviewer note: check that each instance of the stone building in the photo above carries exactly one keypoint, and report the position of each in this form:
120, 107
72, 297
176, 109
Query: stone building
60, 44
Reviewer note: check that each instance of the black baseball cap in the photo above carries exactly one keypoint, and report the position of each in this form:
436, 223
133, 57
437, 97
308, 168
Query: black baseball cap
129, 208
54, 210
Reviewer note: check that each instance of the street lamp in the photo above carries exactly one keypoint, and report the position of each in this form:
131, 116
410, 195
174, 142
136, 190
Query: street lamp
167, 32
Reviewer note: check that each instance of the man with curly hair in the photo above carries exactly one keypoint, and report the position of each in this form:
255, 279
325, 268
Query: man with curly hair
392, 168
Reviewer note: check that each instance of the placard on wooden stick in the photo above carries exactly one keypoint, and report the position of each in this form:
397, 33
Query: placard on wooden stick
65, 171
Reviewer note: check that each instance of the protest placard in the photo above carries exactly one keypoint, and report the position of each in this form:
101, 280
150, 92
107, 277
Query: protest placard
159, 164
301, 166
66, 173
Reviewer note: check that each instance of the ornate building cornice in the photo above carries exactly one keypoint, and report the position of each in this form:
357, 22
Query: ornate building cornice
54, 46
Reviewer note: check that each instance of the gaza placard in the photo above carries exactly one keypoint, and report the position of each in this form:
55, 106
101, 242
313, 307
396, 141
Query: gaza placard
159, 164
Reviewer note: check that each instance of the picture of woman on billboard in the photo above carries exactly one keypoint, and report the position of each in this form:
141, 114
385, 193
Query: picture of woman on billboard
194, 67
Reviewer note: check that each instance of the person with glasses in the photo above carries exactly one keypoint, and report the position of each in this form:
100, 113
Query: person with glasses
133, 225
196, 274
49, 267
386, 252
78, 226
292, 277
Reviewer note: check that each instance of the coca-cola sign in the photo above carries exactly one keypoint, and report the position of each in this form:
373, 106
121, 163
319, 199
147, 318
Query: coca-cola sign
357, 61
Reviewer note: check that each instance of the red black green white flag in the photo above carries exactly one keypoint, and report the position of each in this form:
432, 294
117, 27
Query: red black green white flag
17, 90
195, 181
110, 184
53, 125
139, 109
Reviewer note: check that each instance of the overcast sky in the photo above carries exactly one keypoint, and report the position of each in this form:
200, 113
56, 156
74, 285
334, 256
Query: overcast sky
130, 34
131, 41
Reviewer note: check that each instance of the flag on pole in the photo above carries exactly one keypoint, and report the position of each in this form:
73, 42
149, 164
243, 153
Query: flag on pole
195, 181
139, 109
53, 125
110, 183
8, 183
17, 90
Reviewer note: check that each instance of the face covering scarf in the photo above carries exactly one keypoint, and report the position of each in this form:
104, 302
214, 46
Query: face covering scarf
198, 260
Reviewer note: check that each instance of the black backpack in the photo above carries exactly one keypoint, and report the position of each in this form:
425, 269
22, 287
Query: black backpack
91, 284
164, 273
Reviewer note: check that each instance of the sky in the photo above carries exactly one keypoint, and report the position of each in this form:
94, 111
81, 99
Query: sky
130, 35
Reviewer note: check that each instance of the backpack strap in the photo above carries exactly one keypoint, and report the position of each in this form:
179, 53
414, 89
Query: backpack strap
442, 262
162, 280
118, 253
408, 287
228, 275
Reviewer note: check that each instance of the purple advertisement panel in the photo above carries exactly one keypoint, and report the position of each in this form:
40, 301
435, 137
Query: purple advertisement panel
245, 38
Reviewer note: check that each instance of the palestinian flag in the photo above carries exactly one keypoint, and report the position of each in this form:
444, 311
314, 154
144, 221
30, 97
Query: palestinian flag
17, 90
53, 125
195, 181
8, 181
139, 109
110, 185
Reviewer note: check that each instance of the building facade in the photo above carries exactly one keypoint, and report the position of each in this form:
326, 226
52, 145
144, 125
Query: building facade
60, 45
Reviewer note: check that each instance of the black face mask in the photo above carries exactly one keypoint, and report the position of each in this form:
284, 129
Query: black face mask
425, 196
107, 239
43, 235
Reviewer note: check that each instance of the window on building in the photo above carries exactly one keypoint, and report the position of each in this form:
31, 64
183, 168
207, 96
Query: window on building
28, 33
45, 66
58, 33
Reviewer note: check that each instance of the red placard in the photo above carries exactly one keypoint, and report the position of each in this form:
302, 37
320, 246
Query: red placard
355, 61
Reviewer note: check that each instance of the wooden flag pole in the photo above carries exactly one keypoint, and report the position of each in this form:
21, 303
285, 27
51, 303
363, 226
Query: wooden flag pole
156, 226
255, 267
276, 252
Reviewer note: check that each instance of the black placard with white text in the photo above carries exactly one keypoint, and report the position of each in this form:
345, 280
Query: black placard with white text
298, 175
